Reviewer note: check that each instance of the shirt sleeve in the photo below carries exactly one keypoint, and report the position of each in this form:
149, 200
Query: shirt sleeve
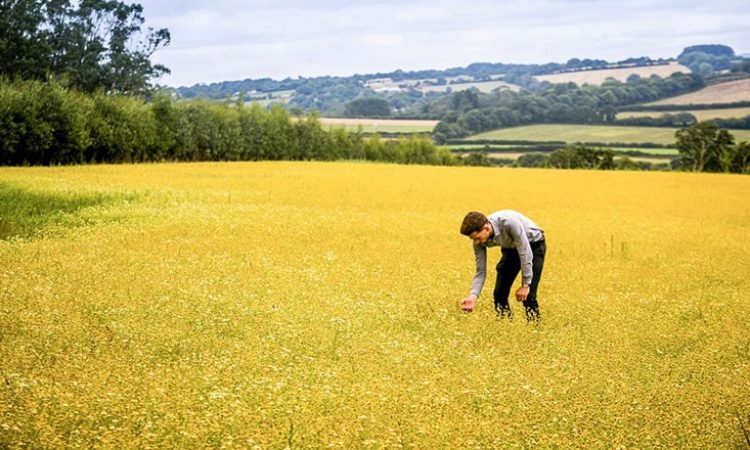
480, 256
515, 228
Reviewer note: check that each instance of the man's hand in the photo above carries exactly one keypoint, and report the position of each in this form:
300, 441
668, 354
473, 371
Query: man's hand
467, 304
522, 293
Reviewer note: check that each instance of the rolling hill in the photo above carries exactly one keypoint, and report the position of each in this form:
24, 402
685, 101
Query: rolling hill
600, 75
729, 92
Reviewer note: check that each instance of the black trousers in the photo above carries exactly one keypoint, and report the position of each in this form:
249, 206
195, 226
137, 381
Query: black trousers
507, 270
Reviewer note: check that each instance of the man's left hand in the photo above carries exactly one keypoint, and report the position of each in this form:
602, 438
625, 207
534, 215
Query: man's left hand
522, 293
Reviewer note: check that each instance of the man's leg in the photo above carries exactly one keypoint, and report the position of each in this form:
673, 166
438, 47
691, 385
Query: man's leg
507, 270
538, 250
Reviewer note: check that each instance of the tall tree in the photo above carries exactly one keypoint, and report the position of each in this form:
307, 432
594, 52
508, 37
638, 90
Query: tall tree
99, 44
368, 107
24, 49
704, 147
91, 44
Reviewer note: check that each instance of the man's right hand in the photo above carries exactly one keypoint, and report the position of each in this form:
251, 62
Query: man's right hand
467, 304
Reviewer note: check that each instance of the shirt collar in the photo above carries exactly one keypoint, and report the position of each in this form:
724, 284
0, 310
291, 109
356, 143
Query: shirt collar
495, 230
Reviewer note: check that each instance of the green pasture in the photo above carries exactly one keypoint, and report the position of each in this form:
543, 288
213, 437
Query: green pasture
591, 133
663, 152
530, 148
491, 147
390, 127
700, 114
371, 129
482, 86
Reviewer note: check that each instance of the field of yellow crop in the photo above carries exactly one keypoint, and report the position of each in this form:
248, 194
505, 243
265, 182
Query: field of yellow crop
315, 305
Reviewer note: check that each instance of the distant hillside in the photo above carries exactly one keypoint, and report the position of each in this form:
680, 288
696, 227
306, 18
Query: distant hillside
431, 94
730, 92
598, 76
590, 134
408, 92
699, 114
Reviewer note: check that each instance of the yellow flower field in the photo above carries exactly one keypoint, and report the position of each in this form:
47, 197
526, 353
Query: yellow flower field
315, 305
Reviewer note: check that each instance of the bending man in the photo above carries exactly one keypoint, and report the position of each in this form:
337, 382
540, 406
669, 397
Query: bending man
523, 248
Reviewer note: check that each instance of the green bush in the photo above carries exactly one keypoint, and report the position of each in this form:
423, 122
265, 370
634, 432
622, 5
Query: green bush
41, 123
44, 123
121, 129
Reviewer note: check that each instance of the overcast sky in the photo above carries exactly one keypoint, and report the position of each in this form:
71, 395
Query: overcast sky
218, 40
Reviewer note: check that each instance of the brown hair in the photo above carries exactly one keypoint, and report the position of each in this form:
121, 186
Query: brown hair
474, 221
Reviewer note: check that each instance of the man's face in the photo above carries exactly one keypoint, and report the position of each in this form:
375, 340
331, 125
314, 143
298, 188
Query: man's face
480, 237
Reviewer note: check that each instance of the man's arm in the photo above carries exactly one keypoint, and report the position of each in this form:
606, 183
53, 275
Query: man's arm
480, 257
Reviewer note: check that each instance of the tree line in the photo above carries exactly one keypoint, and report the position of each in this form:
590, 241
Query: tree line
705, 147
702, 147
521, 74
682, 119
470, 112
44, 123
707, 59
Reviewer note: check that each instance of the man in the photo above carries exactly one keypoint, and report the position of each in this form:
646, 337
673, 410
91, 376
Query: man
523, 248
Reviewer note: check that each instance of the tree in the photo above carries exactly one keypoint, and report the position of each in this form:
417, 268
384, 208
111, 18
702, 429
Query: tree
465, 100
368, 107
99, 45
532, 159
741, 158
90, 44
704, 147
477, 159
581, 157
709, 49
24, 49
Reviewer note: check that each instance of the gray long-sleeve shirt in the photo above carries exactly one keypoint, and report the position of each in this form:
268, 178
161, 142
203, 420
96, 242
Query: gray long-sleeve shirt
511, 229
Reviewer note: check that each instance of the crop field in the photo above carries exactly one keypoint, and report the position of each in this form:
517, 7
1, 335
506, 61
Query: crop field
265, 99
700, 114
381, 125
591, 133
286, 305
482, 86
658, 152
523, 149
597, 77
729, 92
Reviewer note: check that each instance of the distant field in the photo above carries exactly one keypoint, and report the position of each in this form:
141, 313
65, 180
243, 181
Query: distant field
275, 97
266, 102
659, 152
483, 86
591, 133
482, 146
598, 76
382, 125
515, 155
498, 155
700, 114
651, 160
732, 91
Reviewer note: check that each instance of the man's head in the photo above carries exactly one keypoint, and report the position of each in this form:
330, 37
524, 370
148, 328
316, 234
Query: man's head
476, 227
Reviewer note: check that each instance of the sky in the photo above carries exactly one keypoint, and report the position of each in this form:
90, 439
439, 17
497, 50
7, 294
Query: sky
225, 40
